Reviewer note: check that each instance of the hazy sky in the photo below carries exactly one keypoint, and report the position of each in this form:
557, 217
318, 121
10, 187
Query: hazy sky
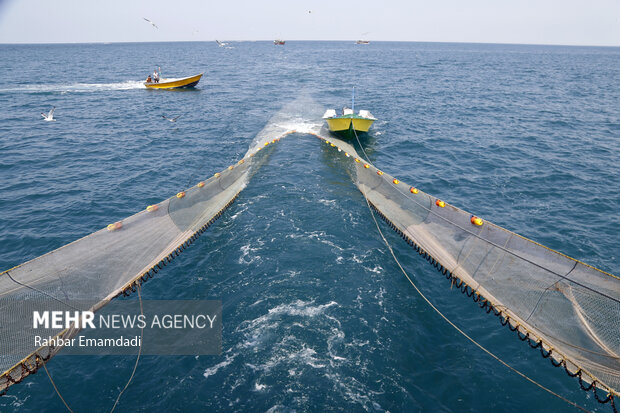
574, 22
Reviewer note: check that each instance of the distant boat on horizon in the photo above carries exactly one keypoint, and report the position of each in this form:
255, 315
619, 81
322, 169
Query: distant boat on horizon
279, 42
362, 42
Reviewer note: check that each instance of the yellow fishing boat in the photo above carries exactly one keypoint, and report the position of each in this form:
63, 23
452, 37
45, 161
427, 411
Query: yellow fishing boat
349, 121
165, 83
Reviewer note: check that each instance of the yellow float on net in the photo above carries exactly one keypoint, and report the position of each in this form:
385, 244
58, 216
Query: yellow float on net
476, 221
396, 181
366, 166
181, 194
240, 162
440, 203
217, 175
115, 226
200, 184
266, 143
152, 208
332, 145
231, 167
326, 141
273, 141
413, 190
347, 154
357, 160
379, 173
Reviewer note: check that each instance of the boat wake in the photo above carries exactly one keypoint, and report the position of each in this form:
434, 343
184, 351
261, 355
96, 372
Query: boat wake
75, 87
298, 116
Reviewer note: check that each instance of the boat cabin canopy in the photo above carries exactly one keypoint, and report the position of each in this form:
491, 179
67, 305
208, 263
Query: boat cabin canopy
366, 114
329, 113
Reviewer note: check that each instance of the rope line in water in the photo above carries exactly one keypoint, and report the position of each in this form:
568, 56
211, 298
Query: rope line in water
137, 359
56, 388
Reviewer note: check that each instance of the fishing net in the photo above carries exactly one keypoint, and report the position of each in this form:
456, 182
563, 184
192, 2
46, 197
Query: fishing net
88, 273
567, 309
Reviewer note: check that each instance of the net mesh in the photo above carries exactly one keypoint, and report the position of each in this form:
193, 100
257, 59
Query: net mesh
571, 308
88, 273
568, 308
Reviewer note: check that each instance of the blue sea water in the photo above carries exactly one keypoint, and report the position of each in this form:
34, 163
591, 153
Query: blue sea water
317, 315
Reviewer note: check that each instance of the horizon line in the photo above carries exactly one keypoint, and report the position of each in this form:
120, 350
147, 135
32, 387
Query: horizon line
307, 40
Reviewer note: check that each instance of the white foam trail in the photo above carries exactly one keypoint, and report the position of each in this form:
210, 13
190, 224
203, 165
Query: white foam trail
77, 87
302, 115
212, 370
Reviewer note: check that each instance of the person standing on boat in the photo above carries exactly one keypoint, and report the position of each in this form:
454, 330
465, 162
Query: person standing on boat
155, 76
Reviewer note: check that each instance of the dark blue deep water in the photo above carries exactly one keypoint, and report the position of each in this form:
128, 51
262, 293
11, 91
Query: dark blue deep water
317, 315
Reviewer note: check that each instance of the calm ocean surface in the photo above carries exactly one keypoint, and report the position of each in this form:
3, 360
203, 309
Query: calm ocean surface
317, 315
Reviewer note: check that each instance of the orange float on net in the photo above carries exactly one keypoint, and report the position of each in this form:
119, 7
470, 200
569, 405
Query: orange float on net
476, 221
273, 141
379, 173
366, 166
115, 226
395, 181
413, 190
240, 162
200, 184
440, 203
181, 194
152, 208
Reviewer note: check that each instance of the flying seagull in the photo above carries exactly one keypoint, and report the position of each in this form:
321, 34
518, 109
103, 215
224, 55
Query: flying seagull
172, 119
153, 24
50, 116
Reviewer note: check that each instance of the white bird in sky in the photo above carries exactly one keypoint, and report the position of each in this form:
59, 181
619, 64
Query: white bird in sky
153, 24
50, 116
172, 119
